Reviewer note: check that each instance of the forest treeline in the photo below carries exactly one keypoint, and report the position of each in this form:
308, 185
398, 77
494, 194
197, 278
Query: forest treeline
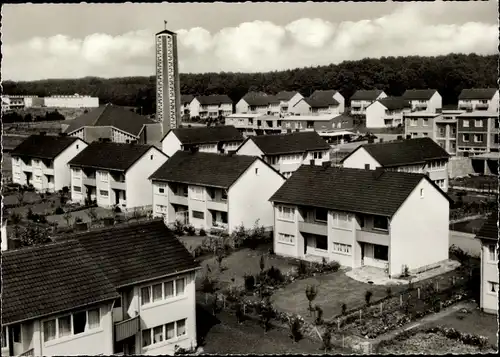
448, 74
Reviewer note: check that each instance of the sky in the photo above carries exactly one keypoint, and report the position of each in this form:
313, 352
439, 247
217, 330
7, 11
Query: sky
117, 40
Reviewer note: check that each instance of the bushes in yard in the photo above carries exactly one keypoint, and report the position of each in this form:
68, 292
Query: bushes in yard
59, 210
295, 325
38, 218
202, 233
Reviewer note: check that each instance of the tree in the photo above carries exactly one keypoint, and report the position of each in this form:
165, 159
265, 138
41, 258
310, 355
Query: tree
34, 234
68, 217
15, 220
92, 213
311, 292
20, 195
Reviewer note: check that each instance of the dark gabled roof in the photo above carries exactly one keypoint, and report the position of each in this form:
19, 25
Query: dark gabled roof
258, 98
404, 152
206, 135
371, 94
290, 143
43, 146
322, 98
51, 278
351, 190
489, 230
395, 103
477, 93
204, 169
285, 95
111, 115
133, 253
419, 94
110, 156
214, 99
168, 32
186, 98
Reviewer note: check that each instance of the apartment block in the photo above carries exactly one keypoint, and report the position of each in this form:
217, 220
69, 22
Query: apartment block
211, 106
387, 112
42, 161
361, 99
255, 124
383, 219
478, 99
215, 191
477, 132
115, 174
257, 103
427, 100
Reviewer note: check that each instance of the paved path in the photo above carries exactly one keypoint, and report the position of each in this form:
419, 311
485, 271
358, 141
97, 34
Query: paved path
426, 319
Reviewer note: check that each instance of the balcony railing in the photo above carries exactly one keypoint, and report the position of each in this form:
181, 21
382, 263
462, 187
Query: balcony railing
465, 106
482, 106
30, 352
127, 328
313, 227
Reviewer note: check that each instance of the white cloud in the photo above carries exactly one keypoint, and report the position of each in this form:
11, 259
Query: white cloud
251, 46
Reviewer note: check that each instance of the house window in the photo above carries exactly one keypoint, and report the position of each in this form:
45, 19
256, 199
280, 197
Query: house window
421, 193
286, 213
367, 166
361, 220
161, 189
321, 214
163, 332
310, 125
223, 217
145, 295
425, 134
49, 330
478, 123
64, 326
180, 285
77, 172
162, 291
478, 138
341, 220
161, 209
158, 334
151, 157
413, 122
181, 327
381, 252
465, 137
380, 222
342, 248
169, 289
103, 193
16, 333
256, 171
492, 253
79, 322
425, 122
322, 242
77, 146
157, 292
170, 330
198, 215
318, 155
286, 238
493, 287
146, 337
466, 123
77, 189
197, 193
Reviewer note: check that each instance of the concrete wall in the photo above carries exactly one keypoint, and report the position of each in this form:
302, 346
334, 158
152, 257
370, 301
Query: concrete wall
459, 166
419, 230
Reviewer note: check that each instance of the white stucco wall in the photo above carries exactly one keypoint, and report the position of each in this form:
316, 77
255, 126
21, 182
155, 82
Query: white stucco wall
62, 176
242, 106
375, 115
295, 249
359, 159
489, 273
138, 186
249, 148
170, 144
248, 197
194, 108
340, 98
294, 100
300, 108
419, 230
436, 102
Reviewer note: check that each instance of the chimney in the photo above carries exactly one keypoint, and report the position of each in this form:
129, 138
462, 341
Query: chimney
381, 140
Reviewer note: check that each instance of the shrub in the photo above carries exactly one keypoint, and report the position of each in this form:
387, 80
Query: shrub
202, 232
59, 210
274, 276
208, 286
326, 338
302, 268
117, 209
29, 214
178, 227
65, 190
189, 229
266, 313
295, 329
262, 263
319, 315
78, 220
344, 308
311, 292
249, 282
388, 291
405, 272
368, 296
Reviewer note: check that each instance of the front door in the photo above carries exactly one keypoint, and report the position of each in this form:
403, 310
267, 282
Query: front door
362, 254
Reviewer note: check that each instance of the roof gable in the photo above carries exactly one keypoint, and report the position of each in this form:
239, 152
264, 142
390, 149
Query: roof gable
110, 156
395, 103
477, 93
214, 99
186, 98
419, 94
205, 135
204, 169
351, 190
50, 278
43, 146
371, 94
322, 98
285, 95
290, 143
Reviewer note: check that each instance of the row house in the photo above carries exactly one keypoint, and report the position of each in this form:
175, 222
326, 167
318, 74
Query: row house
475, 99
287, 152
361, 99
116, 124
257, 103
477, 132
255, 124
383, 219
211, 106
427, 100
421, 155
422, 125
287, 100
488, 236
215, 139
387, 112
42, 161
77, 296
320, 102
115, 174
215, 191
186, 100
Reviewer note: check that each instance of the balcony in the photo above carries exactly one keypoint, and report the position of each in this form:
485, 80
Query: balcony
176, 199
314, 227
217, 205
482, 106
118, 185
465, 106
421, 106
89, 181
373, 236
127, 328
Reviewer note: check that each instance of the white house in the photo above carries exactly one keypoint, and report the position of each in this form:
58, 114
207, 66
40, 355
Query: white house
287, 152
208, 190
78, 296
427, 100
361, 99
255, 103
479, 99
186, 100
211, 106
255, 124
217, 139
115, 174
421, 155
287, 99
42, 161
488, 235
386, 220
387, 112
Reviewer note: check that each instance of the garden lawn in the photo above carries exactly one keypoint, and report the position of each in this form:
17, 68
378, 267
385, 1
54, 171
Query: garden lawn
241, 262
475, 322
59, 219
429, 343
191, 242
334, 290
